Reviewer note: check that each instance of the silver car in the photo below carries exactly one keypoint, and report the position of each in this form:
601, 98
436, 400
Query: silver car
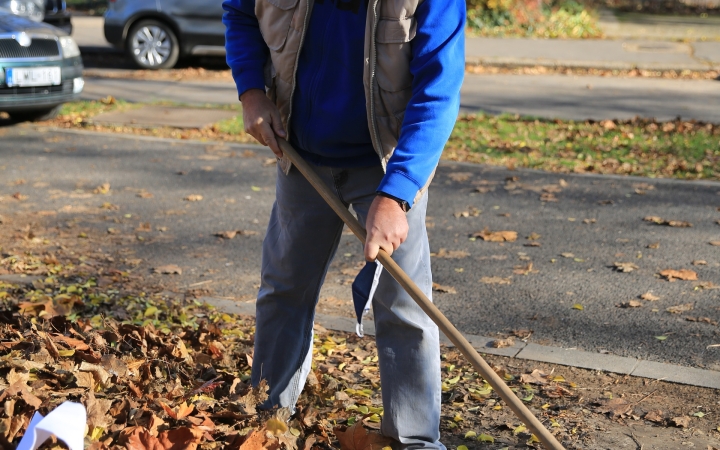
155, 34
40, 68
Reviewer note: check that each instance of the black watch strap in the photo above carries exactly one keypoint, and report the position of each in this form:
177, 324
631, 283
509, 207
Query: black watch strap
405, 206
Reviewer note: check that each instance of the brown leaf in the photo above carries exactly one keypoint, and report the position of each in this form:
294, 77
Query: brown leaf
97, 409
629, 304
168, 269
649, 297
681, 422
77, 344
495, 280
358, 438
182, 438
258, 440
503, 343
715, 243
496, 236
625, 267
680, 308
682, 274
616, 407
85, 380
535, 377
139, 438
226, 234
445, 289
193, 198
655, 416
671, 223
145, 194
452, 254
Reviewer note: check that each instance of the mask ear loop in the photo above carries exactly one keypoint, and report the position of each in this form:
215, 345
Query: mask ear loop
359, 329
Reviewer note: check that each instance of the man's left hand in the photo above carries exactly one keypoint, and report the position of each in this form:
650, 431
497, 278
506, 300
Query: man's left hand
387, 227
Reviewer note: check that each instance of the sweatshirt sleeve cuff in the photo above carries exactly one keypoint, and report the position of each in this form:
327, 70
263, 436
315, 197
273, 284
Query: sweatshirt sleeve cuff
248, 79
400, 186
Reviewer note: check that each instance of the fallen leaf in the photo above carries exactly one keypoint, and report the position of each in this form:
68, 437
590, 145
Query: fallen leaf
681, 422
533, 237
445, 289
715, 243
168, 269
193, 198
535, 377
503, 343
702, 320
671, 223
578, 306
616, 407
358, 438
655, 416
661, 338
145, 194
495, 280
682, 274
625, 267
699, 262
496, 236
680, 308
460, 176
629, 304
182, 438
102, 189
649, 297
452, 254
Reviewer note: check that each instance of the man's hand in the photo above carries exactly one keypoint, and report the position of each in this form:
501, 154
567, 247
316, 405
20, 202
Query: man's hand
387, 227
262, 119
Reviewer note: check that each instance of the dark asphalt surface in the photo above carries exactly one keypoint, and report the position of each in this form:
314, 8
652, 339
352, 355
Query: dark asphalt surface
238, 192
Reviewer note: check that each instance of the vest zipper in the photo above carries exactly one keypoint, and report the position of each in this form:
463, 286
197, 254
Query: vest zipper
297, 59
373, 55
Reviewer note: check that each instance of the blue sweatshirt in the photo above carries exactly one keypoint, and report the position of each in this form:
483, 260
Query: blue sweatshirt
329, 120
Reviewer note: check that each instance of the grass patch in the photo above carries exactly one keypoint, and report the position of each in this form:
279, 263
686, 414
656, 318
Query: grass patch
532, 18
644, 147
679, 149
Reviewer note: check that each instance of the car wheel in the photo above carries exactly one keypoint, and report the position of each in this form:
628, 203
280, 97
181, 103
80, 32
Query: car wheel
36, 115
153, 45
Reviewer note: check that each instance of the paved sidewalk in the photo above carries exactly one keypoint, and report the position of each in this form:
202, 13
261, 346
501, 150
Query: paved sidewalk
605, 54
591, 53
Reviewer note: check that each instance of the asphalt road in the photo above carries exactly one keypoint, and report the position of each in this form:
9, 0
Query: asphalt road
553, 96
238, 189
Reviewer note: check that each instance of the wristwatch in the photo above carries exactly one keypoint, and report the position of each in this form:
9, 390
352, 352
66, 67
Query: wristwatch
405, 206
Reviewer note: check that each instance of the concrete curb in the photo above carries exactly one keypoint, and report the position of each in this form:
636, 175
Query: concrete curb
533, 352
509, 61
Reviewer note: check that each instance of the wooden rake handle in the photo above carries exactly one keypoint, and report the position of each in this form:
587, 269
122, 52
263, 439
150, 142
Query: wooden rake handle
497, 383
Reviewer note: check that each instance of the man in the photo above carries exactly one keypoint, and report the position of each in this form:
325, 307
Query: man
368, 92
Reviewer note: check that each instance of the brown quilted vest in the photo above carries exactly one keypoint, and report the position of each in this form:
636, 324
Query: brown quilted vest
391, 26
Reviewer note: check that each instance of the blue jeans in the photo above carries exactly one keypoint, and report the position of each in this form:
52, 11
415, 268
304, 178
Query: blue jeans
301, 239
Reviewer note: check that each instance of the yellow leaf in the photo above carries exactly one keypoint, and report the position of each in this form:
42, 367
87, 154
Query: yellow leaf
578, 306
65, 353
457, 418
276, 426
486, 438
363, 409
545, 406
470, 434
462, 447
96, 433
255, 188
295, 432
519, 429
152, 310
497, 407
533, 440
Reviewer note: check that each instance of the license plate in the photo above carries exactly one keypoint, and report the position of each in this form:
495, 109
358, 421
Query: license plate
33, 76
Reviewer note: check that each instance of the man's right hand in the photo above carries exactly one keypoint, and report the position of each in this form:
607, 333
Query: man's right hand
262, 119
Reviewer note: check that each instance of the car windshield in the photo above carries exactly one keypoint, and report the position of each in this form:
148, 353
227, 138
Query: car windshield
32, 9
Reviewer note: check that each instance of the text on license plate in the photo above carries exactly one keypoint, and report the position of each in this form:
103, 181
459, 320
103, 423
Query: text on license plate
33, 76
